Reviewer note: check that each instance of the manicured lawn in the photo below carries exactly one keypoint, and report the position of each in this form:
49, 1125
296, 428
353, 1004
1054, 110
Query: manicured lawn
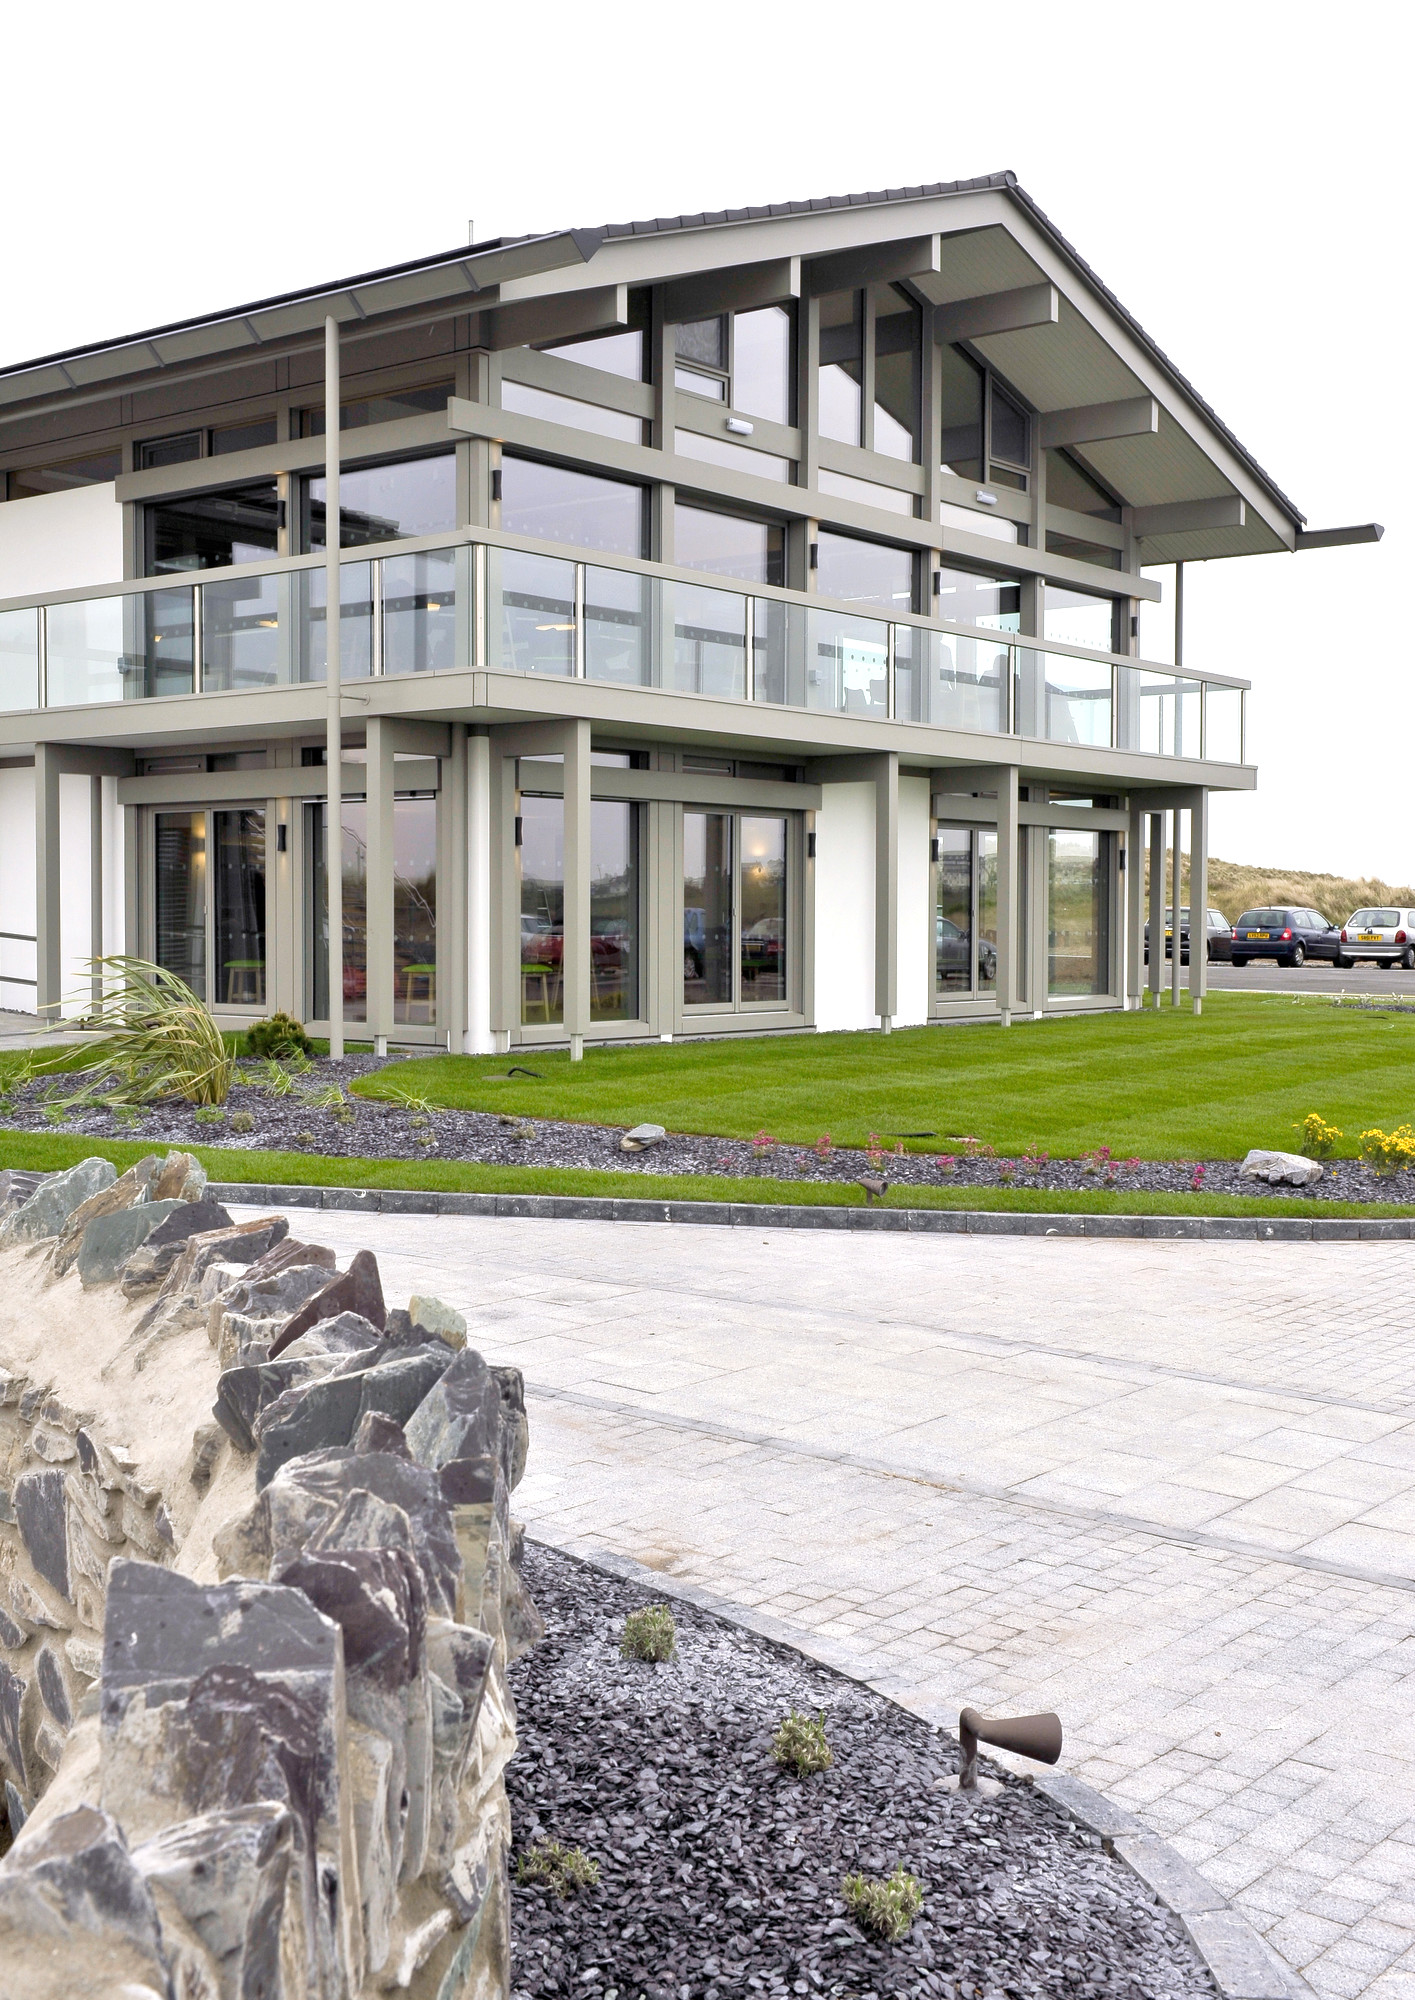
1162, 1086
48, 1151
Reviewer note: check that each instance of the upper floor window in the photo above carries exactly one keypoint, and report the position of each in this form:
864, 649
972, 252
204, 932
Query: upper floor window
385, 408
553, 503
528, 401
1008, 438
212, 530
740, 359
729, 544
1077, 618
616, 353
861, 572
385, 503
1070, 484
966, 597
208, 441
27, 482
961, 418
869, 370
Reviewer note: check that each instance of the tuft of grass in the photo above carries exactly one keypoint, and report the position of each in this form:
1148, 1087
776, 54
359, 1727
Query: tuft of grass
649, 1634
885, 1906
242, 1121
560, 1868
799, 1745
210, 1114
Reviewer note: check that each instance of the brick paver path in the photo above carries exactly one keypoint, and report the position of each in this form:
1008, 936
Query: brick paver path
1167, 1489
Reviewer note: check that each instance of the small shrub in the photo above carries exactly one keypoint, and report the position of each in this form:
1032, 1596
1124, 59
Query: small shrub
329, 1098
1133, 1166
1034, 1159
823, 1147
559, 1868
649, 1634
885, 1908
277, 1080
306, 1138
1196, 1185
56, 1113
418, 1122
242, 1121
799, 1745
1097, 1161
1319, 1140
763, 1142
947, 1163
1007, 1171
280, 1034
1388, 1152
209, 1114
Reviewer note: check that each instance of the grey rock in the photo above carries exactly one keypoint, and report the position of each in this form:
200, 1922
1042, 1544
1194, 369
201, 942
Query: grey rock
18, 1807
460, 1417
150, 1263
84, 1657
181, 1177
109, 1240
40, 1517
311, 1417
328, 1501
1281, 1169
52, 1675
430, 1315
377, 1432
515, 1425
129, 1188
75, 1874
356, 1290
226, 1873
396, 1387
461, 1657
345, 1333
377, 1598
244, 1393
18, 1698
55, 1200
12, 1636
16, 1187
242, 1243
291, 1252
642, 1137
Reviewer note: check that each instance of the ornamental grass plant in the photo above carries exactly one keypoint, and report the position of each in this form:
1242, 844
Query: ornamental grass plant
158, 1041
884, 1907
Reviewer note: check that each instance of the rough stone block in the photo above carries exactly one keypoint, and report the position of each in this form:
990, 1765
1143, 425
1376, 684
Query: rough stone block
515, 1425
41, 1517
17, 1184
377, 1598
19, 1700
356, 1290
181, 1177
312, 1417
109, 1240
75, 1875
225, 1874
1281, 1169
55, 1200
56, 1691
432, 1316
396, 1387
129, 1188
345, 1333
150, 1263
460, 1417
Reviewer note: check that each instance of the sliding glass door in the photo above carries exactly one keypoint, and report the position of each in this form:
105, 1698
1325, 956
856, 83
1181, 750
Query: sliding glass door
208, 902
736, 945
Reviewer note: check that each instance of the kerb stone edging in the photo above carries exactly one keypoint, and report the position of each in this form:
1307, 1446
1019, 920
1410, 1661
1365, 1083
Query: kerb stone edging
781, 1215
1243, 1965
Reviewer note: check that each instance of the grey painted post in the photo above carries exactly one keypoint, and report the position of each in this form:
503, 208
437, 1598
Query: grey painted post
1176, 960
575, 946
887, 889
47, 963
333, 713
1008, 861
1156, 902
95, 885
1199, 899
378, 884
1135, 908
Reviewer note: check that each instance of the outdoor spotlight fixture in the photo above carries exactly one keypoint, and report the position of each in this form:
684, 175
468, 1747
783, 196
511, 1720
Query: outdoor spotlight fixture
1036, 1736
876, 1188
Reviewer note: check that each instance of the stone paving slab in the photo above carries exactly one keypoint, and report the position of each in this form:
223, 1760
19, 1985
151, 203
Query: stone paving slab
1164, 1487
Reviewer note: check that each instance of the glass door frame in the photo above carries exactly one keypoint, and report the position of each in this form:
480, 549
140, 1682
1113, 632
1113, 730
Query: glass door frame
234, 1010
977, 999
737, 1011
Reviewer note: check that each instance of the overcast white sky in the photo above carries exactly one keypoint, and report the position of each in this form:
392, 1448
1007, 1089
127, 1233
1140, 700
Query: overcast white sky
1238, 173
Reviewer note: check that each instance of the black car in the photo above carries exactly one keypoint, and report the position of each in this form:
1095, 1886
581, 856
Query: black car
1290, 936
1219, 939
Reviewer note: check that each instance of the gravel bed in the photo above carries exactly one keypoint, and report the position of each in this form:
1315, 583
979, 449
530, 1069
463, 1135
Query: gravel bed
370, 1130
720, 1875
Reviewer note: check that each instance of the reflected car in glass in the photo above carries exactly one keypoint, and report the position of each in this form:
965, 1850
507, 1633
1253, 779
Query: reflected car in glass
1291, 936
954, 956
1385, 936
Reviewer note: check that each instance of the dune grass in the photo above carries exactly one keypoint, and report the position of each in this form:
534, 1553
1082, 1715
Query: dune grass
1157, 1085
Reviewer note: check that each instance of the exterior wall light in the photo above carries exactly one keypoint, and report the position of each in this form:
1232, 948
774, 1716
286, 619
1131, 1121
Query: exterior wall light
985, 499
739, 427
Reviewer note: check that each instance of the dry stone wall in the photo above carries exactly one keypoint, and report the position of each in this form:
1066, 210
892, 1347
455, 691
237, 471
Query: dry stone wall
258, 1595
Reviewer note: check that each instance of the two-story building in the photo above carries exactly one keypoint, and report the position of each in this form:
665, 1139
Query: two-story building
738, 630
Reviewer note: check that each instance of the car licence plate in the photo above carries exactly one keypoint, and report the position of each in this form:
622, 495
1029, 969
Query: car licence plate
1253, 934
1368, 937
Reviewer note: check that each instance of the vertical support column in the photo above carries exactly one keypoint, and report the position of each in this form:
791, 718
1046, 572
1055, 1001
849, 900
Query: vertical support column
887, 889
575, 950
1177, 956
1135, 908
47, 960
1009, 857
1199, 899
480, 932
95, 885
378, 885
452, 894
1156, 903
333, 711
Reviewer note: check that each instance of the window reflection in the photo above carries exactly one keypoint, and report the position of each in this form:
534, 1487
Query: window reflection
542, 856
896, 390
384, 503
841, 372
961, 419
179, 901
707, 909
353, 868
614, 911
415, 910
965, 913
729, 544
862, 572
554, 504
763, 891
1079, 618
761, 363
213, 530
238, 915
1078, 912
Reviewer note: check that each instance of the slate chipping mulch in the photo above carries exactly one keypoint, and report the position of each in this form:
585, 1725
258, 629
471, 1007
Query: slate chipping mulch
721, 1876
392, 1131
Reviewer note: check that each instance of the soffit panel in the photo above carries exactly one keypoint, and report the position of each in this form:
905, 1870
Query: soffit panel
1061, 367
976, 262
1149, 471
1255, 538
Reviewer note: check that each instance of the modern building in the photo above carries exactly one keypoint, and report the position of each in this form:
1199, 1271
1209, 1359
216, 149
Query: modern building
738, 627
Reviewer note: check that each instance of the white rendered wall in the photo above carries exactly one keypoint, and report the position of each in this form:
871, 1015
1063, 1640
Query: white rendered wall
17, 884
914, 926
845, 907
59, 541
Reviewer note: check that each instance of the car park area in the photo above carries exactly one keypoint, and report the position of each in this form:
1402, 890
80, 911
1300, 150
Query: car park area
1316, 976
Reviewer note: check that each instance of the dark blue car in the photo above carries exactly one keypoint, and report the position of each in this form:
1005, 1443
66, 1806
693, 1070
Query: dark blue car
1290, 936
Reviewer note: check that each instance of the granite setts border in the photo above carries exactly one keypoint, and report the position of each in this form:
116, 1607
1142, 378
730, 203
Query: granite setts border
782, 1215
1242, 1964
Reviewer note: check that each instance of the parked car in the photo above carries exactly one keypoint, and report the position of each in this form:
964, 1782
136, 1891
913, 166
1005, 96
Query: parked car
1385, 936
1220, 935
954, 954
1291, 936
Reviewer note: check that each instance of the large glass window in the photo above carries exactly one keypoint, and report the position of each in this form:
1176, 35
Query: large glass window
1007, 454
614, 911
729, 544
179, 899
355, 622
615, 353
964, 597
735, 946
213, 530
1079, 618
863, 572
965, 913
419, 612
19, 659
554, 504
542, 854
387, 408
896, 386
1078, 912
709, 641
761, 363
240, 633
415, 910
538, 619
842, 362
238, 914
26, 482
847, 663
354, 890
950, 681
961, 421
618, 626
386, 503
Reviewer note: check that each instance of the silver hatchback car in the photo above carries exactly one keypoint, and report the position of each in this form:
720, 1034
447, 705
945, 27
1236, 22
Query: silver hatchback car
1386, 936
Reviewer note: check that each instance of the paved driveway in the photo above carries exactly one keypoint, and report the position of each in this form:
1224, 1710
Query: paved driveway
1167, 1489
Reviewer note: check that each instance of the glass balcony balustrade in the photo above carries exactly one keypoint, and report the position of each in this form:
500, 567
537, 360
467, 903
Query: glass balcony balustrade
493, 605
